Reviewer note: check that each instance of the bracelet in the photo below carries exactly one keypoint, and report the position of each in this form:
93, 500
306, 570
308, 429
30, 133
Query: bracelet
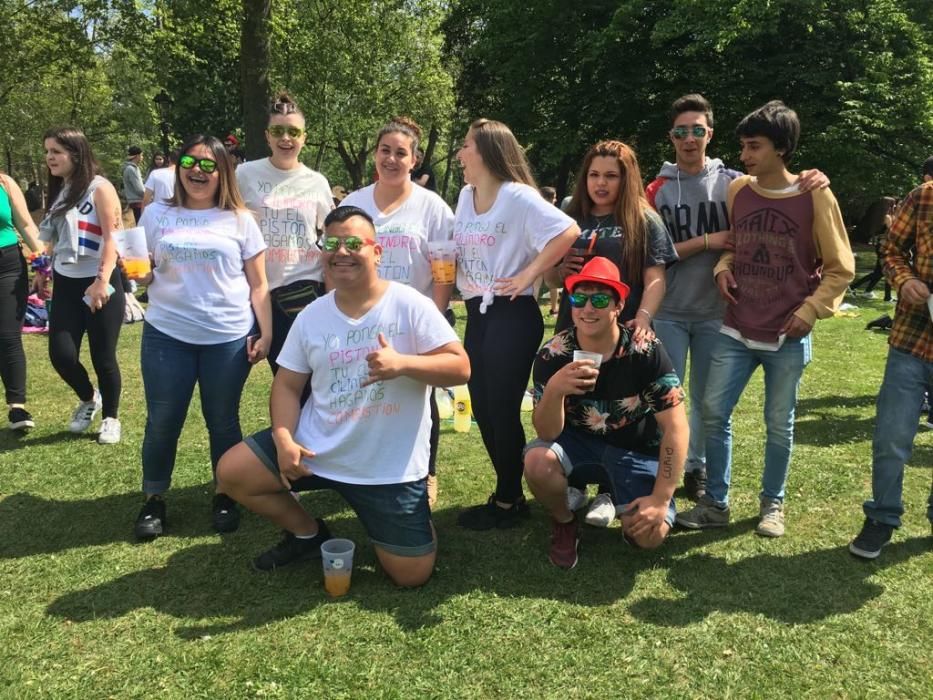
645, 312
705, 241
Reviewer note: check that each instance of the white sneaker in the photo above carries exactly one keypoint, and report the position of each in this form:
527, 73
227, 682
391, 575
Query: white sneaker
109, 431
576, 498
602, 511
84, 414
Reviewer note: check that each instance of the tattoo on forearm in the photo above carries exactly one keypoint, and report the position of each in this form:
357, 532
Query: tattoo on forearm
667, 464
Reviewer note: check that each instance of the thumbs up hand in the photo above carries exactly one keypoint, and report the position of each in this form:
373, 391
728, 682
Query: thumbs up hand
385, 363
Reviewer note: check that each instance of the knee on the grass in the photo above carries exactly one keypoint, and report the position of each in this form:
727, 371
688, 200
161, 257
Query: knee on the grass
407, 572
651, 540
541, 464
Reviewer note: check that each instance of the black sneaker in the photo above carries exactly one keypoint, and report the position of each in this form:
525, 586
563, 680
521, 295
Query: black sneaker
695, 484
488, 515
150, 523
871, 539
20, 419
292, 549
225, 513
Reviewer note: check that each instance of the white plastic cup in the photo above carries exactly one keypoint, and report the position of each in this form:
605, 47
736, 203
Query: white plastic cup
337, 557
443, 256
131, 244
581, 355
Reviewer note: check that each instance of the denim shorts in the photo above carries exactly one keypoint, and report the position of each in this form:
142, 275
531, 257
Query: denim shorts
396, 516
630, 474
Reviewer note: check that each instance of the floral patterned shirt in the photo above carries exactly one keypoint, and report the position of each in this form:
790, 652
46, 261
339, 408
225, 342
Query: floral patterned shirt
634, 384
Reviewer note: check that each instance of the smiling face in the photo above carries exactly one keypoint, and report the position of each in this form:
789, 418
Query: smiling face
395, 158
285, 148
59, 159
200, 188
470, 160
590, 322
603, 184
349, 269
691, 149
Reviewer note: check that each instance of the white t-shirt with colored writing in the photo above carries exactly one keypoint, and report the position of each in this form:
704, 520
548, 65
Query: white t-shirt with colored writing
504, 240
162, 183
376, 434
404, 234
290, 207
199, 292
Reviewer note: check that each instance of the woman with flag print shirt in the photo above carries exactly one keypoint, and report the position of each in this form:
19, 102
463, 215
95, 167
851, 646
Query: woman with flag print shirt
87, 295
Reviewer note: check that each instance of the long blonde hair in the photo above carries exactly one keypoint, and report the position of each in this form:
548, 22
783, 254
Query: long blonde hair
630, 210
501, 153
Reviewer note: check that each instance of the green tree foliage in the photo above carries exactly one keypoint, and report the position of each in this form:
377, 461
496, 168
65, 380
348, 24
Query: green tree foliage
860, 74
353, 64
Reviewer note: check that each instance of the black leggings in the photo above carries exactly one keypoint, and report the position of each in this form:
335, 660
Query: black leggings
13, 287
502, 344
69, 319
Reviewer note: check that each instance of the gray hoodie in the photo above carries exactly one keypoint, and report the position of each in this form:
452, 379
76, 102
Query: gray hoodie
133, 188
692, 205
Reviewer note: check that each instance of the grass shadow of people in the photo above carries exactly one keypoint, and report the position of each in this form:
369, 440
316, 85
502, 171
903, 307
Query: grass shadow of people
796, 589
32, 525
510, 564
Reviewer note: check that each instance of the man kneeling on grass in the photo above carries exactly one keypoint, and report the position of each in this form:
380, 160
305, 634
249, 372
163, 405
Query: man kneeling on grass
372, 349
601, 422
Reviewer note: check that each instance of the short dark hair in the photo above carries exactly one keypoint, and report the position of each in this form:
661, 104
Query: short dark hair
775, 121
693, 102
927, 167
341, 214
133, 151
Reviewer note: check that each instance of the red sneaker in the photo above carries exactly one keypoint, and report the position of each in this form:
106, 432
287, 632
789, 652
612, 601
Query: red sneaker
565, 540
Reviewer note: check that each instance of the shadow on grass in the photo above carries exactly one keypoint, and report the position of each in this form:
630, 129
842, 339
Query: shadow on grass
16, 439
797, 589
830, 420
511, 564
30, 525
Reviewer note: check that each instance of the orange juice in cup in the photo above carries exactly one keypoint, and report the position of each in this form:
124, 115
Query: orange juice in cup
443, 256
131, 244
337, 557
136, 268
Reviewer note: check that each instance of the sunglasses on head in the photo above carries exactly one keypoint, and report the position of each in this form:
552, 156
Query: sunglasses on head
206, 165
284, 108
599, 300
277, 131
681, 132
331, 244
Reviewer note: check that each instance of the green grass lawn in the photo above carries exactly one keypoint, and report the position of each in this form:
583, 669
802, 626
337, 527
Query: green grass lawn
87, 612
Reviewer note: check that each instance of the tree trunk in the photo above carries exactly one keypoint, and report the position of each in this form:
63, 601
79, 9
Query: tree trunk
354, 161
254, 74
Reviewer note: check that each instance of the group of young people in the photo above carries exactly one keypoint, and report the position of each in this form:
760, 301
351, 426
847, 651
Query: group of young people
253, 263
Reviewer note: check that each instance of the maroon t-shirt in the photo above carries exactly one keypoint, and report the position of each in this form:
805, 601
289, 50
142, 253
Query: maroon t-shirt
775, 265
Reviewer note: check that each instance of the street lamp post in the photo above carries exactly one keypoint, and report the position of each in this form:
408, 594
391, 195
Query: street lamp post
164, 103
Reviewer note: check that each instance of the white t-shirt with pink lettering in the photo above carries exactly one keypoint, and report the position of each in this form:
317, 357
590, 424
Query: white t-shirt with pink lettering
199, 292
404, 234
504, 240
290, 207
376, 434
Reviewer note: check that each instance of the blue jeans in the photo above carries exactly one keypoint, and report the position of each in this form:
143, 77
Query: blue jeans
630, 474
898, 412
699, 338
170, 370
396, 516
732, 366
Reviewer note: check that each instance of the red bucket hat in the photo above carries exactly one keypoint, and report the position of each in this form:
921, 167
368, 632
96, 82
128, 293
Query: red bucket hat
601, 271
